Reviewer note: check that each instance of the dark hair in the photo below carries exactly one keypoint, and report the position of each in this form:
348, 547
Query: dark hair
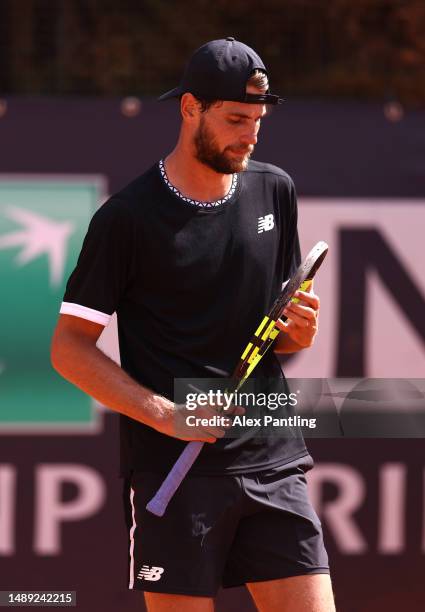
206, 104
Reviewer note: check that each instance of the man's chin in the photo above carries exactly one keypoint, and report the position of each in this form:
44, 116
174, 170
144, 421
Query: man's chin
227, 165
238, 163
242, 165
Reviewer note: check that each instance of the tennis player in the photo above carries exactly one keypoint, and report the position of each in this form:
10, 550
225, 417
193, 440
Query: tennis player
190, 255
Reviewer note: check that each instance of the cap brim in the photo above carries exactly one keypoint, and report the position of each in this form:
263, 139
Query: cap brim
173, 93
262, 99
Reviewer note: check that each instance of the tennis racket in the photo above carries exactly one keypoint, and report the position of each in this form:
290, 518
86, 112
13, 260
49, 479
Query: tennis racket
264, 336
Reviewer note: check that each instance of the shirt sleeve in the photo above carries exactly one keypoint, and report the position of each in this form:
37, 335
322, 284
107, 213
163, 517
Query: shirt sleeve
101, 276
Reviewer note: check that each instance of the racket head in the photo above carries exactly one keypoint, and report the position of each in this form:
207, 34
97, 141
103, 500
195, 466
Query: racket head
306, 271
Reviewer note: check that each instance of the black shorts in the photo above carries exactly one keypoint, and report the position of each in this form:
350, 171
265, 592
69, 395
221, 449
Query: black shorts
223, 531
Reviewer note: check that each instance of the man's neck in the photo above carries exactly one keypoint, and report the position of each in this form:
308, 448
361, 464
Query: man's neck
194, 179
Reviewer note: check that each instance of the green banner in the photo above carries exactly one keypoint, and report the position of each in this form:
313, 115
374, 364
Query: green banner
42, 225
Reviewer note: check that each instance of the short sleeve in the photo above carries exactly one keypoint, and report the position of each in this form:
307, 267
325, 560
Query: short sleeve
101, 276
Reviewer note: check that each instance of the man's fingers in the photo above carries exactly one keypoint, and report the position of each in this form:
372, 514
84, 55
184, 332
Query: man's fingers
203, 436
302, 311
311, 299
299, 320
209, 440
282, 325
211, 432
217, 432
235, 410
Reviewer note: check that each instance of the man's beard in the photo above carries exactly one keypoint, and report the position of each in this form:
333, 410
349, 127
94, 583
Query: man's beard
207, 152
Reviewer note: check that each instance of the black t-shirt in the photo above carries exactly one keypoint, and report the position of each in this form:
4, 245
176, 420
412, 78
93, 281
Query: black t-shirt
190, 285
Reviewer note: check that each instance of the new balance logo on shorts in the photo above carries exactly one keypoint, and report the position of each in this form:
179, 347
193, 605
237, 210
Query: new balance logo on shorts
150, 573
265, 223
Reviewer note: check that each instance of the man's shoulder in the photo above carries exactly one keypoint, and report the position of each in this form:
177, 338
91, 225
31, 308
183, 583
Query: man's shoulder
126, 205
134, 193
256, 167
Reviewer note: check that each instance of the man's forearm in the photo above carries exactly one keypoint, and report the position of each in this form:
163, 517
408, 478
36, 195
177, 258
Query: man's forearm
84, 365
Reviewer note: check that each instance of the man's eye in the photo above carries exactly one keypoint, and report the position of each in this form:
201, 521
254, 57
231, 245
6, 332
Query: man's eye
234, 121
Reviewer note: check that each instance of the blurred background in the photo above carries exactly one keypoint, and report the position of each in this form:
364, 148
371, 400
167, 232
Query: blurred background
78, 120
371, 49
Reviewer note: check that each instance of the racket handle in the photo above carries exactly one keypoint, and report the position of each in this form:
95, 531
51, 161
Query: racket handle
159, 502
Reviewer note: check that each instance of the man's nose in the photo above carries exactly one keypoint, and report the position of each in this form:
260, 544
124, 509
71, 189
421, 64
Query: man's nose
250, 136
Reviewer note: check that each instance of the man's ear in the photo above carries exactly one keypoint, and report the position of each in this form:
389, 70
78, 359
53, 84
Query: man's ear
189, 106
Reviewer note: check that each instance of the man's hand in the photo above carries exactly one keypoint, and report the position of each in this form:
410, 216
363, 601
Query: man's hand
302, 325
205, 423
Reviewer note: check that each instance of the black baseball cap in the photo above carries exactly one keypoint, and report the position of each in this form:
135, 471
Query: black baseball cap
219, 70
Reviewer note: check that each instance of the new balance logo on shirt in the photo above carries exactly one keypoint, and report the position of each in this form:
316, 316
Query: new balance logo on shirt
265, 223
150, 573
